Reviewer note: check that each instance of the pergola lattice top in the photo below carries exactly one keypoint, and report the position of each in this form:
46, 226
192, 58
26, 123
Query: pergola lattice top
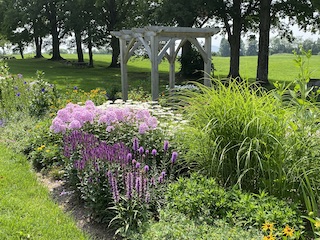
150, 38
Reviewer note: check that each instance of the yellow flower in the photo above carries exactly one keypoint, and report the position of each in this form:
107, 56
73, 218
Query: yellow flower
287, 231
317, 224
267, 226
269, 237
41, 147
47, 150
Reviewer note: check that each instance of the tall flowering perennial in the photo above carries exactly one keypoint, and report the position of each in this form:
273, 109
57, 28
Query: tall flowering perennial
74, 116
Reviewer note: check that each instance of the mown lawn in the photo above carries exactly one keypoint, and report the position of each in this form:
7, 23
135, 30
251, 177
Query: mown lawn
281, 68
26, 209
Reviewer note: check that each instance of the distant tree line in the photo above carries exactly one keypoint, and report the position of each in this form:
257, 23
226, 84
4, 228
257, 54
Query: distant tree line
277, 45
89, 23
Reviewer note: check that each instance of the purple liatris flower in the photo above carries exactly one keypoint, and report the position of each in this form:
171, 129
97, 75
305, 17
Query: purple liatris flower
138, 165
161, 177
129, 185
166, 145
115, 191
141, 150
147, 152
139, 185
134, 162
174, 157
147, 197
154, 152
146, 168
129, 157
135, 144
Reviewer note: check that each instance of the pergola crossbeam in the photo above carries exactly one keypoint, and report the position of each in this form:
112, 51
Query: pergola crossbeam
150, 37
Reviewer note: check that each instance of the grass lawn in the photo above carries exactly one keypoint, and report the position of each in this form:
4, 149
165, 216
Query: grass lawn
26, 209
281, 68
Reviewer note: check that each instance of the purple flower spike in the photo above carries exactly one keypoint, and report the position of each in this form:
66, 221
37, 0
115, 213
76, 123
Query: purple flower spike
135, 144
134, 162
147, 152
146, 168
154, 152
174, 157
166, 145
141, 150
129, 157
138, 165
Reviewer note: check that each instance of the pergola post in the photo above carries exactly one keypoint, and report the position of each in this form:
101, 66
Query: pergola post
124, 71
207, 62
172, 66
154, 45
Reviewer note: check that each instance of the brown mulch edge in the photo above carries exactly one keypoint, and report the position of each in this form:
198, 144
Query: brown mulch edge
71, 205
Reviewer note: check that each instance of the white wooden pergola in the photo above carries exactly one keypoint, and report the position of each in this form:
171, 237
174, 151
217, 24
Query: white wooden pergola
150, 38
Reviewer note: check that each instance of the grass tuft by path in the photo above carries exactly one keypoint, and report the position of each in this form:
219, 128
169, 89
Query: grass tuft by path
26, 209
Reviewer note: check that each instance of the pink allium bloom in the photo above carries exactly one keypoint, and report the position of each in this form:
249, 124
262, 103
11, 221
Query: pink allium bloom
143, 128
110, 128
152, 122
64, 114
75, 124
142, 114
83, 115
108, 117
58, 125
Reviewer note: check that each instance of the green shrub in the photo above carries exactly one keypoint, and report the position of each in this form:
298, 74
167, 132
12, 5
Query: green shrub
176, 225
202, 200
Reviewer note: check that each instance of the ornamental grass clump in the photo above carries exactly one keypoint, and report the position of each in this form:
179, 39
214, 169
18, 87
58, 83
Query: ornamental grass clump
233, 134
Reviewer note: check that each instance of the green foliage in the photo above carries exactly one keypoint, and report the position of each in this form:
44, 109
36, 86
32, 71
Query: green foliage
43, 96
43, 148
201, 198
131, 216
234, 134
176, 225
14, 94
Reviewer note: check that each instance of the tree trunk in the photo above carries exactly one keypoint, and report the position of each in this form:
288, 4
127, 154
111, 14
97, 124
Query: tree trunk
115, 45
38, 43
79, 46
185, 57
235, 41
90, 49
20, 46
264, 38
55, 33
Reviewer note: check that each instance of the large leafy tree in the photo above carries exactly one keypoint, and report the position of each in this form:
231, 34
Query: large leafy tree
236, 17
118, 14
12, 26
183, 13
272, 14
54, 11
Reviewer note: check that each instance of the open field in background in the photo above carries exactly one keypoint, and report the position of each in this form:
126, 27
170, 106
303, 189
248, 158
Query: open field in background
281, 68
